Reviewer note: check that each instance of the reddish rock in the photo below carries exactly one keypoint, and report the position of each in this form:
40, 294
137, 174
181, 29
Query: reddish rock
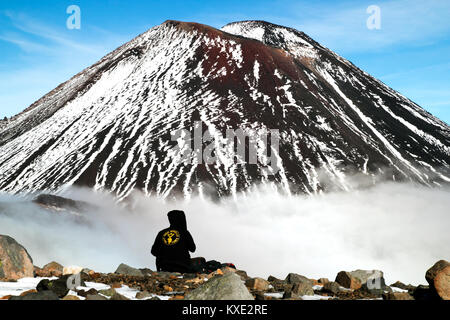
397, 296
15, 262
438, 276
346, 280
52, 269
167, 288
257, 284
23, 294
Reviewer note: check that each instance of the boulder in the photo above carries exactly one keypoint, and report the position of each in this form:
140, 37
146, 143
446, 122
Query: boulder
15, 262
366, 288
58, 286
322, 281
87, 271
397, 296
146, 271
293, 278
331, 287
242, 274
84, 293
274, 279
278, 285
52, 269
302, 289
289, 295
403, 286
424, 293
257, 284
129, 271
346, 280
438, 276
40, 295
374, 279
370, 281
226, 287
117, 296
143, 295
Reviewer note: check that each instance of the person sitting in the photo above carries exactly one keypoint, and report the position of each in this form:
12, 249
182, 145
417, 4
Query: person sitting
172, 245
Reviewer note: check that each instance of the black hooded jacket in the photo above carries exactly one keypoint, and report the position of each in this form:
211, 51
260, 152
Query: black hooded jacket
172, 245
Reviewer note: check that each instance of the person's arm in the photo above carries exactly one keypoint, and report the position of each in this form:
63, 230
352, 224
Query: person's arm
190, 242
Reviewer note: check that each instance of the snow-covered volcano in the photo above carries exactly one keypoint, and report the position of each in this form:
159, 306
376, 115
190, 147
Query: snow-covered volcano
109, 127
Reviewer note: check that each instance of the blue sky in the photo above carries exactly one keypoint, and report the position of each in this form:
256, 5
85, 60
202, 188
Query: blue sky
410, 52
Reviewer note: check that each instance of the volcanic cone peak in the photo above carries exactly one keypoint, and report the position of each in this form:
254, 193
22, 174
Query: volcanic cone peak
110, 127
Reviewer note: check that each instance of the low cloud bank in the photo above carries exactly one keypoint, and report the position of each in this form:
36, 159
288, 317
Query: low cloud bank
401, 229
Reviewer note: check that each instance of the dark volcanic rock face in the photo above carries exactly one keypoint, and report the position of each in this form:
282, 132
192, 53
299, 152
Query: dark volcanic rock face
49, 201
110, 126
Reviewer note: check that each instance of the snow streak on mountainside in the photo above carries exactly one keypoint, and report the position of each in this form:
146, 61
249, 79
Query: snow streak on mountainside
110, 126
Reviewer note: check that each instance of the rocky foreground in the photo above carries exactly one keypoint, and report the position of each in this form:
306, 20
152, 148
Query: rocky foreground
21, 280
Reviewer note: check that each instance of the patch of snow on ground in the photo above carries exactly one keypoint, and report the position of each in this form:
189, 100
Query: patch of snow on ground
277, 295
19, 287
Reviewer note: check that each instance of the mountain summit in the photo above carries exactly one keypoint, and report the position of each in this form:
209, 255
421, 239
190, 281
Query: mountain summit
109, 127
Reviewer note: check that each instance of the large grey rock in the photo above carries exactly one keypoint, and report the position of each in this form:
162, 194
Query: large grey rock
15, 262
227, 287
373, 278
294, 278
302, 289
129, 271
331, 287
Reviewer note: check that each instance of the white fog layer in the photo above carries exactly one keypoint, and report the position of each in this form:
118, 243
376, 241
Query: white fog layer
401, 229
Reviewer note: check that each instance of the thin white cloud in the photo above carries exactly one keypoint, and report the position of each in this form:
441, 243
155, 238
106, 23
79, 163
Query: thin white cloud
30, 26
25, 45
46, 56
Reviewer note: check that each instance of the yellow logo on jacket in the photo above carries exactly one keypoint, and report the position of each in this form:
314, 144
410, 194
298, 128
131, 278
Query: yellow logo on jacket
171, 237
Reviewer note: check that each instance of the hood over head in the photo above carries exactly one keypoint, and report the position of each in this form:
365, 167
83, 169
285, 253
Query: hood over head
177, 219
